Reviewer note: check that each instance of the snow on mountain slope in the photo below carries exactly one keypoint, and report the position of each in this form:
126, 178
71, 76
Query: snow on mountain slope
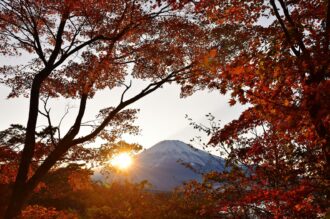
170, 151
162, 165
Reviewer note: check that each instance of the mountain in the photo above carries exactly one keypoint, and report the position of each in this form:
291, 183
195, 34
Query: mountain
162, 165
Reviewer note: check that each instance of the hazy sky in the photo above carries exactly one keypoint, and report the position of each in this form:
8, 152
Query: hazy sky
161, 116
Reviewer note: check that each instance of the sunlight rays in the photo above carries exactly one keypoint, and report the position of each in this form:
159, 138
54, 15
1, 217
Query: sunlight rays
122, 161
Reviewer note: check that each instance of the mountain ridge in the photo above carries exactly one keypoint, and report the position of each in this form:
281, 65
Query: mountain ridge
165, 165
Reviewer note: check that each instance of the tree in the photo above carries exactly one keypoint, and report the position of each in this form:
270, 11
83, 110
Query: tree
80, 47
70, 193
274, 56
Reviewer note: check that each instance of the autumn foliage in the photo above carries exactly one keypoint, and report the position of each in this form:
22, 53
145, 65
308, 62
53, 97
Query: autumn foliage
72, 49
272, 56
70, 193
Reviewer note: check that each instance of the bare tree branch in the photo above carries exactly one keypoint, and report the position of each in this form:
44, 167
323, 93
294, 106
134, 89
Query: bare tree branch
126, 89
61, 120
149, 89
76, 126
47, 115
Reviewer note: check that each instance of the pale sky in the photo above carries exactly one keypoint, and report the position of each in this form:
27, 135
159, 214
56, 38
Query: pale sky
161, 116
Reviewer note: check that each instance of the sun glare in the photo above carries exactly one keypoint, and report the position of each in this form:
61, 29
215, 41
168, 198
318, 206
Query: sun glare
122, 161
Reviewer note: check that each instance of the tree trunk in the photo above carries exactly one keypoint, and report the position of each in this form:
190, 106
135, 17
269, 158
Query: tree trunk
19, 196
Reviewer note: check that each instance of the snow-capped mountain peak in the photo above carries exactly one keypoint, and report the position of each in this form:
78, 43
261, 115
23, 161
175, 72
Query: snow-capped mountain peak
162, 164
163, 167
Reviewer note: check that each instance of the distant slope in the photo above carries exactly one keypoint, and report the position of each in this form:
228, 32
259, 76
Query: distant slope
162, 165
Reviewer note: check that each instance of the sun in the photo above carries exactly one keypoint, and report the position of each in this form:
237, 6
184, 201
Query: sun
122, 161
